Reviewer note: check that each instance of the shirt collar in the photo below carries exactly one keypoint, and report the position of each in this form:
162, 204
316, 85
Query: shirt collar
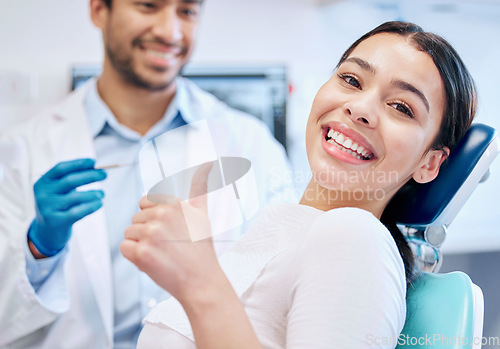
184, 103
97, 111
101, 117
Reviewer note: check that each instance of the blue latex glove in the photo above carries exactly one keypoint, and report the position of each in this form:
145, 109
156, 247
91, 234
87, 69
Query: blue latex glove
59, 204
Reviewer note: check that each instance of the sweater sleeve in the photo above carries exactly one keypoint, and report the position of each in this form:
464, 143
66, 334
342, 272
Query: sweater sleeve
348, 286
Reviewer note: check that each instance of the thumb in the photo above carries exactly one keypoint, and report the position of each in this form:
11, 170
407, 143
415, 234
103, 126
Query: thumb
197, 194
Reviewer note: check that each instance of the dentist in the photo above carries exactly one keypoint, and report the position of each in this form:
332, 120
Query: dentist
65, 283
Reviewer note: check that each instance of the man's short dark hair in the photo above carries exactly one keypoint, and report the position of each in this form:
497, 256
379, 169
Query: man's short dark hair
108, 3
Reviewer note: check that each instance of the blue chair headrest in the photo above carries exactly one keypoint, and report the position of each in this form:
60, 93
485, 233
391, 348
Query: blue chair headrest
436, 203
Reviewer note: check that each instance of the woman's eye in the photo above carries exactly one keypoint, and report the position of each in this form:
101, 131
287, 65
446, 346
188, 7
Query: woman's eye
351, 80
402, 108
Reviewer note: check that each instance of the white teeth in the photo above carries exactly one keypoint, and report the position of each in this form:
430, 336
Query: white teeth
346, 144
162, 55
350, 152
340, 139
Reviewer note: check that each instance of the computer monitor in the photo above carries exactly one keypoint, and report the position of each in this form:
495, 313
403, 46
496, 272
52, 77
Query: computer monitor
260, 90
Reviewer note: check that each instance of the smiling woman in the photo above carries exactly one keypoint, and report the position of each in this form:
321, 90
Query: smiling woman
372, 104
326, 272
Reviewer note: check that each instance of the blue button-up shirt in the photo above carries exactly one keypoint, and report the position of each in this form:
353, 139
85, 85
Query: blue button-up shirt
134, 292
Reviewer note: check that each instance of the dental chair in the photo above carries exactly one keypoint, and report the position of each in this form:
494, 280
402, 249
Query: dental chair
443, 310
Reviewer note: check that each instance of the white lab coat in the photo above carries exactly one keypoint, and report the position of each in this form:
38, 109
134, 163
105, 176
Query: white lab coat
83, 316
57, 135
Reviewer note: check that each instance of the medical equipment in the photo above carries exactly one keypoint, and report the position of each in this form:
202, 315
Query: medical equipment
113, 166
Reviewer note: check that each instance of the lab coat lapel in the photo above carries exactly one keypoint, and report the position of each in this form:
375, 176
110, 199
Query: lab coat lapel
89, 234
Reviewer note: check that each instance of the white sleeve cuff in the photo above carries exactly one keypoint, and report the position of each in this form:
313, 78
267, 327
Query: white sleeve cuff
48, 279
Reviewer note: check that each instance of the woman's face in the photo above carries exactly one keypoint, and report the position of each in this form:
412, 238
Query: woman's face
372, 123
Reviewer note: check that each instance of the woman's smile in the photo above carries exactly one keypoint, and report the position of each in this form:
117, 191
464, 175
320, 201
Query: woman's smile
345, 144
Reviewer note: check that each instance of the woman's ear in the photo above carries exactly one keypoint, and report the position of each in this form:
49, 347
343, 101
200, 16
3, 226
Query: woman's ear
430, 165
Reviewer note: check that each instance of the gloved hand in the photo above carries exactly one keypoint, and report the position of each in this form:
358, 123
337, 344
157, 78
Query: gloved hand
59, 205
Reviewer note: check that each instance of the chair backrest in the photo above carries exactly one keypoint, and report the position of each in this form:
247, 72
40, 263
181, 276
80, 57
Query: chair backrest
444, 310
424, 214
437, 202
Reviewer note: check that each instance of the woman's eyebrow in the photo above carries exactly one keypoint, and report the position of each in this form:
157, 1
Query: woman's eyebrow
362, 63
403, 85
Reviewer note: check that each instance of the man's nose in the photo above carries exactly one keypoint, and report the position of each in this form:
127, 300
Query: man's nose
168, 26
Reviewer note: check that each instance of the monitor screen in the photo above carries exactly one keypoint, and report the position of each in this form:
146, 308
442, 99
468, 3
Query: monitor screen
261, 91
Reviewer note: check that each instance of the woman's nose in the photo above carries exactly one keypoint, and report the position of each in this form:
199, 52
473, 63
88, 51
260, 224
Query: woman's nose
363, 110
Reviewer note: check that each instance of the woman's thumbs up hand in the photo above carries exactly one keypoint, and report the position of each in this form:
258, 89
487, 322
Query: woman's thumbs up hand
171, 241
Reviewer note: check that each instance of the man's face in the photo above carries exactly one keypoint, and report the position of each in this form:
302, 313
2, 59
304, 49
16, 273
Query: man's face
148, 42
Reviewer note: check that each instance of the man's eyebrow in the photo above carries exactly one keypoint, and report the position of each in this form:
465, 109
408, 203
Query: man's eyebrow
192, 1
362, 63
409, 87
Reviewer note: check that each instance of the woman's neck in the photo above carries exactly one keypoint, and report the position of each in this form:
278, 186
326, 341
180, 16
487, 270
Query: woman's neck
327, 199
